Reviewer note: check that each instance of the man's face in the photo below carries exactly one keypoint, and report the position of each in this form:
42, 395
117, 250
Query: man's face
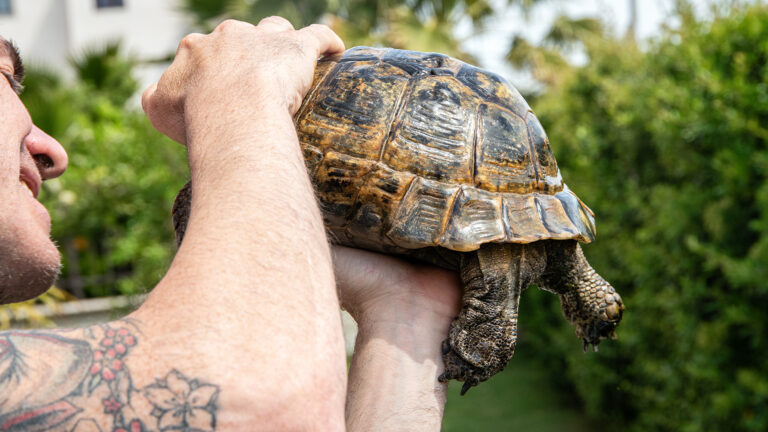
29, 261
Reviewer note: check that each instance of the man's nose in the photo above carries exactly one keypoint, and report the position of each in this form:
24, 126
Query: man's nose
49, 155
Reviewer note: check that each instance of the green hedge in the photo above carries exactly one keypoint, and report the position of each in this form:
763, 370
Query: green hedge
111, 208
669, 147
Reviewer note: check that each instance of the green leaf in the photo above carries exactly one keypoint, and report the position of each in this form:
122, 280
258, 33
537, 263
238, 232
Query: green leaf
93, 383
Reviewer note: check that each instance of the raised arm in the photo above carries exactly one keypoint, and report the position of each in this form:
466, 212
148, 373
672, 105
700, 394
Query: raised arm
403, 313
255, 263
243, 332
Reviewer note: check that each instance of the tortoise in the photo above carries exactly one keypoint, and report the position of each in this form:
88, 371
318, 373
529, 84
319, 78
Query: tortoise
422, 155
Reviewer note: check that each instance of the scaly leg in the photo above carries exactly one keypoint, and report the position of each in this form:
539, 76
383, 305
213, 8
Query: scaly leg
590, 303
482, 338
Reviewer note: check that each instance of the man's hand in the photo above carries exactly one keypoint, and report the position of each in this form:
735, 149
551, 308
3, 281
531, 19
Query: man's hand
270, 64
376, 287
403, 312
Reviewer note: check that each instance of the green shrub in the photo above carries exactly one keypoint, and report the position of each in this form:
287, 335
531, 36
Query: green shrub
669, 146
111, 210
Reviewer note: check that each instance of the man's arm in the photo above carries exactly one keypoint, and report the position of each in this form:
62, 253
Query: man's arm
253, 274
92, 380
243, 330
403, 313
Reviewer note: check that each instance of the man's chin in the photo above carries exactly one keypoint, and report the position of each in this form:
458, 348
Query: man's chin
24, 280
31, 289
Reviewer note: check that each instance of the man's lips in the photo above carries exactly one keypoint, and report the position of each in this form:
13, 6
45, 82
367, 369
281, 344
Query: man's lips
31, 177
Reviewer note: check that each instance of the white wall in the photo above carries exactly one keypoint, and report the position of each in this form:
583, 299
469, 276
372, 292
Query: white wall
49, 31
39, 29
148, 28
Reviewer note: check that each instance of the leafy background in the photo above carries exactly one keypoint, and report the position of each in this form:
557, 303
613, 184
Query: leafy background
665, 140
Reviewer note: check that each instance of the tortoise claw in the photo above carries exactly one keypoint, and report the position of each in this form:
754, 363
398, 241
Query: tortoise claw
459, 369
444, 377
467, 385
588, 343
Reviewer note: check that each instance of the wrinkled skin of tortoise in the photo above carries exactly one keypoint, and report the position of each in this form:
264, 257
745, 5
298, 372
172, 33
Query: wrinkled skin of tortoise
427, 157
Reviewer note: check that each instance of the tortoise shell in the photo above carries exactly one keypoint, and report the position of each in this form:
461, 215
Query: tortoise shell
410, 150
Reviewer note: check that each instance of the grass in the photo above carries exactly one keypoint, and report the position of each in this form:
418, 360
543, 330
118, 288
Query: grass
518, 399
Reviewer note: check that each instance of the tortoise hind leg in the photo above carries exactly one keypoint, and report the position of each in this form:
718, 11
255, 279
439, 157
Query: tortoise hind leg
482, 338
590, 303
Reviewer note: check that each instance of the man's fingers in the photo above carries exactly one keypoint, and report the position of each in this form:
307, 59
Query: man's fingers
235, 42
231, 25
275, 23
146, 97
323, 39
164, 112
188, 42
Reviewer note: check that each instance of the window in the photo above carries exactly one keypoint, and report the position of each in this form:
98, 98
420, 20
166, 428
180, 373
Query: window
5, 7
108, 3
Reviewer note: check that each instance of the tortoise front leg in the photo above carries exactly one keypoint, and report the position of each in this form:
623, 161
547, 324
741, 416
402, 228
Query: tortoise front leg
482, 338
590, 303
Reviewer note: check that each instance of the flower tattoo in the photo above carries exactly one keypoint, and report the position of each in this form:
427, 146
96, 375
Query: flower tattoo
93, 372
182, 404
106, 365
111, 405
133, 426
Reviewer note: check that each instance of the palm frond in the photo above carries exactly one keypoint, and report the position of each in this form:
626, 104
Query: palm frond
566, 30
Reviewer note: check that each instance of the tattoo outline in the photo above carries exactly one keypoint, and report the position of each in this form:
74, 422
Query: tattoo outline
90, 387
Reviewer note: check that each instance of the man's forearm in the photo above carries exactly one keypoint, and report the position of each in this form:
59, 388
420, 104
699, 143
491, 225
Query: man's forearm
403, 311
254, 270
393, 382
253, 209
252, 278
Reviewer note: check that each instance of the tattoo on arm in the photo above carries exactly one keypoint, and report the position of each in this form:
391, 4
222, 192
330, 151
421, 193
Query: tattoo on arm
78, 381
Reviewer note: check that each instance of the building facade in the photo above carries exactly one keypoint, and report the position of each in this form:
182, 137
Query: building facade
49, 32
